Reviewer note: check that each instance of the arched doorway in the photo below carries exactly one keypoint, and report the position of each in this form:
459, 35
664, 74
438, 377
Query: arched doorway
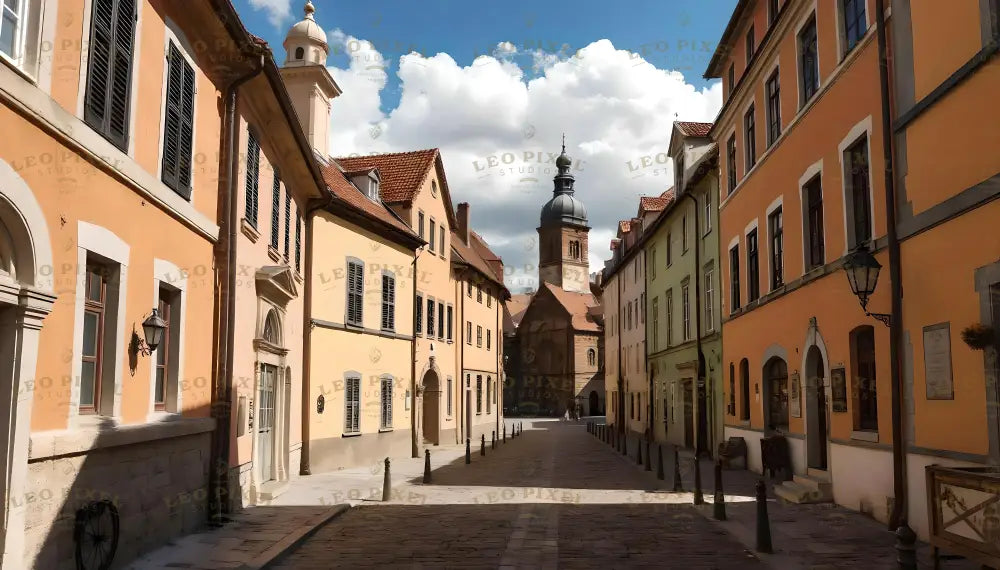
816, 421
776, 395
431, 408
594, 407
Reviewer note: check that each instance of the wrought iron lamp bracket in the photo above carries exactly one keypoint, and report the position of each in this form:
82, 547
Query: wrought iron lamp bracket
884, 318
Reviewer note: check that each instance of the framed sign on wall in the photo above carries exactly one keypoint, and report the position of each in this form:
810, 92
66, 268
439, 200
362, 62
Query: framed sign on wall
838, 388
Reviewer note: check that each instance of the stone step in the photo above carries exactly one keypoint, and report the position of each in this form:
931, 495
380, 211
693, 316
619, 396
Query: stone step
813, 484
795, 492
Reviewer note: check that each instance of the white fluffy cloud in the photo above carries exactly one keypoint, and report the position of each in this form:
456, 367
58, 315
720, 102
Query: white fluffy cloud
278, 11
499, 129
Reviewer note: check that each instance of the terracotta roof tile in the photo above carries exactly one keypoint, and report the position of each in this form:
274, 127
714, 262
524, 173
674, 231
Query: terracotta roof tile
669, 193
653, 203
578, 306
624, 226
343, 189
402, 173
694, 129
516, 306
470, 254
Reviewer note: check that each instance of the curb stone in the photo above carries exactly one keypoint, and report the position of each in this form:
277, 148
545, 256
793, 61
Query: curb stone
284, 546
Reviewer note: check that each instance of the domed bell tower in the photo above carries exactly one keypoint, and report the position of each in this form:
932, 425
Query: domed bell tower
562, 234
309, 84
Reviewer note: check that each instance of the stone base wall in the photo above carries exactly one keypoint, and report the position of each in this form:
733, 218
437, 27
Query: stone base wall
367, 449
160, 488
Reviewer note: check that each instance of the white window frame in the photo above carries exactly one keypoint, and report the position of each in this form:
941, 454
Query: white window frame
166, 273
709, 273
778, 202
686, 309
386, 380
842, 29
813, 170
753, 225
800, 104
862, 128
733, 244
173, 34
348, 377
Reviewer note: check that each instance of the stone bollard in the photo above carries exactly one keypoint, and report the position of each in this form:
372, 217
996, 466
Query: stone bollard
427, 466
493, 440
386, 483
699, 497
719, 507
649, 460
906, 550
678, 486
659, 468
763, 525
505, 432
468, 454
482, 446
638, 452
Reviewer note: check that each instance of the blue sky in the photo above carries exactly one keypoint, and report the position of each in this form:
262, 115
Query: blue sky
671, 34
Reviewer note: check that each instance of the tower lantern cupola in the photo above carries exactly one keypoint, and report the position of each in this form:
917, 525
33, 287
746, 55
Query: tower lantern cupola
305, 43
562, 233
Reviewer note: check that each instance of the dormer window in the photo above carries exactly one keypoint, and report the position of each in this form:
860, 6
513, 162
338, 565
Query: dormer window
299, 53
373, 187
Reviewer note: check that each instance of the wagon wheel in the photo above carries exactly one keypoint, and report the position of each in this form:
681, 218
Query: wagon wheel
96, 535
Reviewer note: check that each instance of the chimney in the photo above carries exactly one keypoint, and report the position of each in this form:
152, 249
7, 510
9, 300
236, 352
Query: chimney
463, 222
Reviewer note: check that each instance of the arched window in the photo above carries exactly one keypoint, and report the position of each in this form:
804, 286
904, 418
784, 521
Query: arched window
865, 400
591, 356
299, 53
732, 390
272, 329
745, 390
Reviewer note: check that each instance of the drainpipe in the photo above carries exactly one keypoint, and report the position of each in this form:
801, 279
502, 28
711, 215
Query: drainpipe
415, 444
702, 388
898, 517
621, 380
498, 347
222, 391
307, 326
460, 429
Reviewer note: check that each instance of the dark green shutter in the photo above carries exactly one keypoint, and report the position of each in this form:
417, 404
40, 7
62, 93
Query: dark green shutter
298, 238
109, 73
178, 126
275, 204
288, 221
253, 165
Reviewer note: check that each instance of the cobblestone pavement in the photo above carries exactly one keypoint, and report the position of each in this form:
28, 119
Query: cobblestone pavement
528, 504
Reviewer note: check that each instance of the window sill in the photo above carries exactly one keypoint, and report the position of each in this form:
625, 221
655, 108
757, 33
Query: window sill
385, 430
248, 230
354, 325
745, 423
865, 435
273, 254
352, 434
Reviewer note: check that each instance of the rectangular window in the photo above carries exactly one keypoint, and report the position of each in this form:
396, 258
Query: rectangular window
109, 70
275, 212
479, 394
750, 46
731, 164
418, 318
288, 223
253, 172
652, 263
773, 108
489, 298
479, 335
670, 317
468, 289
866, 401
732, 78
750, 138
433, 232
489, 392
166, 351
709, 298
684, 234
430, 318
352, 405
441, 240
753, 267
298, 239
669, 249
488, 335
734, 279
772, 11
355, 292
441, 324
686, 310
860, 193
451, 322
468, 333
420, 224
774, 223
814, 217
479, 293
12, 28
808, 62
178, 125
656, 324
448, 399
388, 303
854, 23
708, 213
386, 419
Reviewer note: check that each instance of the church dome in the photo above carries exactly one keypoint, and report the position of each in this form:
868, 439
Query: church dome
564, 208
307, 29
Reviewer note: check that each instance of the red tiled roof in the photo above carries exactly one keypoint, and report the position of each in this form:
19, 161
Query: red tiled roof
669, 193
402, 173
516, 306
694, 129
578, 306
624, 226
343, 189
653, 203
470, 254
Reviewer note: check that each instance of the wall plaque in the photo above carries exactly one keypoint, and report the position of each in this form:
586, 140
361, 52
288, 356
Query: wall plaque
794, 397
838, 387
937, 362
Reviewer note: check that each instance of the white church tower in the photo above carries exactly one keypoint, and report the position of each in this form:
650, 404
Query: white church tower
309, 84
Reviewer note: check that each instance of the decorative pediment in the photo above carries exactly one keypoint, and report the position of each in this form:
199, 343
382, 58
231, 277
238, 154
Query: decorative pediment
276, 284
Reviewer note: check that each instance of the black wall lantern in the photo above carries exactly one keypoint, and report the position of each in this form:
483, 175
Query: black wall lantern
862, 273
152, 329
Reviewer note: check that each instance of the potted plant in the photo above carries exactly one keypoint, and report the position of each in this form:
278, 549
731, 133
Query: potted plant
978, 336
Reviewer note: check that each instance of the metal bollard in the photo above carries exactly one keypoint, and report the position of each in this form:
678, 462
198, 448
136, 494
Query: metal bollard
468, 454
719, 507
659, 468
386, 483
678, 486
482, 446
763, 525
638, 452
427, 466
505, 432
649, 459
906, 550
625, 444
493, 440
699, 497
